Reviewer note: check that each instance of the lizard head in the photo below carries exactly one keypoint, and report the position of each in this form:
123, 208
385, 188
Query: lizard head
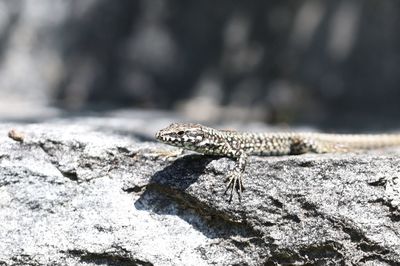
190, 136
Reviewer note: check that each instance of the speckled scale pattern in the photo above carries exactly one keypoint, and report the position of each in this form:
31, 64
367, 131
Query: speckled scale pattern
240, 145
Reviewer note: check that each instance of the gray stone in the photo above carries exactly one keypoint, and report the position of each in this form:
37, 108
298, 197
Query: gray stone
101, 191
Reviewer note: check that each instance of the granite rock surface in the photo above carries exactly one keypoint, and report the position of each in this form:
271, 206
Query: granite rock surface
102, 191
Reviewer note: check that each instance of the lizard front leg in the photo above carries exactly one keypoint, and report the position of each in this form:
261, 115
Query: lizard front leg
234, 177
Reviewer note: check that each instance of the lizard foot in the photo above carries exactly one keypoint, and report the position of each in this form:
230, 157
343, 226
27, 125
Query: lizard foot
234, 180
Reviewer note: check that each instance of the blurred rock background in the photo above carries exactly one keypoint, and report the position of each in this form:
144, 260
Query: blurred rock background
334, 64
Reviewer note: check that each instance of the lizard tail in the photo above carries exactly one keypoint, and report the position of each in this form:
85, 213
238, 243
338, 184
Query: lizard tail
368, 141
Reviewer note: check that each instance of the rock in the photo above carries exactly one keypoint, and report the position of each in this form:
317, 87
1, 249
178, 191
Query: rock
92, 191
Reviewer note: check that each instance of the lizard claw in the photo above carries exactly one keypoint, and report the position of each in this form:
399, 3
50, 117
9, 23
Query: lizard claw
234, 180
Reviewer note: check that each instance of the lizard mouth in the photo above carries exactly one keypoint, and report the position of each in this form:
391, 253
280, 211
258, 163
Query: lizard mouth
158, 136
178, 140
167, 138
163, 138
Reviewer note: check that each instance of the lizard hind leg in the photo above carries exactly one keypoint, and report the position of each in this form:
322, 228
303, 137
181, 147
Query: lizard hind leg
302, 145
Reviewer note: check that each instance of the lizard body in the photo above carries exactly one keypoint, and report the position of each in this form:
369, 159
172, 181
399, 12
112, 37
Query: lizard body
240, 145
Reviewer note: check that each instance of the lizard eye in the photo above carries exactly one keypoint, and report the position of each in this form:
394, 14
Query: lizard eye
180, 133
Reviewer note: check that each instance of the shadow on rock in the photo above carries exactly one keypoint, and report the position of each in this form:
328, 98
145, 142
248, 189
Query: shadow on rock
182, 172
165, 195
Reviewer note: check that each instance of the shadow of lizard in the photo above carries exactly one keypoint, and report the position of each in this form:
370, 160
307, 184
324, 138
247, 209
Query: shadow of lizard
181, 173
165, 195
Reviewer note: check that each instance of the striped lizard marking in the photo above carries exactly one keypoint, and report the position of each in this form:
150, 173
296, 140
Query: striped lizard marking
241, 145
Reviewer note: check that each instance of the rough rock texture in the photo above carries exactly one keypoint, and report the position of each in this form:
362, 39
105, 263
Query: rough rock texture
101, 191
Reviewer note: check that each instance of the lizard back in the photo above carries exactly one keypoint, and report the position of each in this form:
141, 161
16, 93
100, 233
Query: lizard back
233, 143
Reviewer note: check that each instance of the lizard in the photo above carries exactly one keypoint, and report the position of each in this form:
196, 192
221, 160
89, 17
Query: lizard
241, 145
